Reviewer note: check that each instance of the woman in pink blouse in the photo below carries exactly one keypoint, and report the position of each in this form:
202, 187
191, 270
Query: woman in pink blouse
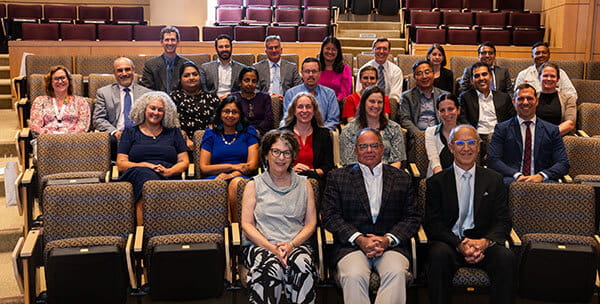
59, 111
335, 74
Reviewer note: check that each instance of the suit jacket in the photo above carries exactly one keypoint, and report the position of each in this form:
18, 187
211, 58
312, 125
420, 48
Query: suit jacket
289, 75
210, 75
346, 208
505, 152
410, 108
469, 107
154, 76
107, 109
491, 215
322, 146
503, 80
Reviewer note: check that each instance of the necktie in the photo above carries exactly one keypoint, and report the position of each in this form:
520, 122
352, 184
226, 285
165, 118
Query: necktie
275, 79
463, 200
169, 76
527, 150
127, 108
493, 83
381, 78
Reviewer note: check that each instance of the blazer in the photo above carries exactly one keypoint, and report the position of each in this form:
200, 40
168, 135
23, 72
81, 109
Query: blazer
502, 76
154, 76
209, 75
346, 208
469, 107
505, 152
410, 109
491, 215
107, 110
322, 146
289, 75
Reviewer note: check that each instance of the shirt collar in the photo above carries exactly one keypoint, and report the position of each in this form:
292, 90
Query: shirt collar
481, 96
224, 65
377, 170
458, 171
423, 95
316, 89
271, 63
521, 120
122, 87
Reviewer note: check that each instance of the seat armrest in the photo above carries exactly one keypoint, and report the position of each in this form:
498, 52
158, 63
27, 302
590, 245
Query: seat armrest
30, 243
597, 238
413, 246
515, 238
328, 237
24, 133
139, 239
191, 171
321, 266
568, 179
236, 234
15, 262
422, 235
128, 259
28, 176
582, 133
115, 174
414, 170
228, 268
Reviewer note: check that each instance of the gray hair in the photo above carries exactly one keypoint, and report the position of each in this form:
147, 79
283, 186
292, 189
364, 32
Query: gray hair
126, 59
271, 38
169, 29
170, 119
365, 130
451, 137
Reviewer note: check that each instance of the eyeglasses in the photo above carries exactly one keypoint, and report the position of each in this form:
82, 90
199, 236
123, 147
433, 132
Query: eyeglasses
310, 71
277, 153
462, 143
487, 53
232, 112
59, 78
421, 73
363, 147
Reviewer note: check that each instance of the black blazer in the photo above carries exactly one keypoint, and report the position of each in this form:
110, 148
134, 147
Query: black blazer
491, 216
445, 81
346, 208
154, 76
503, 80
322, 145
469, 107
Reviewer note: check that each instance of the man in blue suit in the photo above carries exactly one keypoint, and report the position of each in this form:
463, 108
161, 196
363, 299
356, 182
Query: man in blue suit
526, 148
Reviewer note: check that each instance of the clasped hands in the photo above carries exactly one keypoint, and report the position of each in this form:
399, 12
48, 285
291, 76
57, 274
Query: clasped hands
373, 246
282, 251
473, 249
535, 178
160, 169
243, 168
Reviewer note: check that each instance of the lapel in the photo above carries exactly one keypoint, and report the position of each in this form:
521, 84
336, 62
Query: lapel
116, 98
234, 75
539, 132
386, 189
478, 192
474, 103
162, 67
357, 180
451, 192
516, 133
267, 73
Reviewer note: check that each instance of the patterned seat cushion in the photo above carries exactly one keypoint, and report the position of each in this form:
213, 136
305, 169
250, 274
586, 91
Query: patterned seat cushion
586, 178
186, 238
470, 277
558, 238
74, 175
84, 242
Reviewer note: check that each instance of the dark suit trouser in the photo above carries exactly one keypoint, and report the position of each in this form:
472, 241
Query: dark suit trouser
114, 144
499, 263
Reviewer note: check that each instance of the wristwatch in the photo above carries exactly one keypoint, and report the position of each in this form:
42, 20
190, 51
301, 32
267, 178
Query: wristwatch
391, 240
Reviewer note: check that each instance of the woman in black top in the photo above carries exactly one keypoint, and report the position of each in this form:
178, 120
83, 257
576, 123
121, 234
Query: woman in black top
444, 79
554, 106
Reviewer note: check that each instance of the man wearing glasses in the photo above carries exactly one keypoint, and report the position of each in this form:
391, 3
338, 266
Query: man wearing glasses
276, 75
467, 221
389, 74
501, 81
370, 209
328, 105
161, 73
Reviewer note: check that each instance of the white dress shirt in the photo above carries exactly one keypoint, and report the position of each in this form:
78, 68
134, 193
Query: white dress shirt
487, 113
224, 73
393, 78
468, 223
272, 71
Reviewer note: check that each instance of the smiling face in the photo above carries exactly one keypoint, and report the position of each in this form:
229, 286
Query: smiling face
549, 79
465, 147
526, 103
330, 52
436, 57
540, 54
374, 105
60, 82
365, 153
190, 79
368, 78
123, 71
424, 76
304, 110
282, 162
169, 43
248, 82
487, 55
155, 111
311, 74
273, 49
448, 112
381, 51
223, 49
230, 115
481, 79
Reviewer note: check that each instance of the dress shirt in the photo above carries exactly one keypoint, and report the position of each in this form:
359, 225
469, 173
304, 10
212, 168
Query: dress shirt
530, 75
224, 73
487, 113
393, 78
272, 70
523, 127
468, 223
427, 116
328, 105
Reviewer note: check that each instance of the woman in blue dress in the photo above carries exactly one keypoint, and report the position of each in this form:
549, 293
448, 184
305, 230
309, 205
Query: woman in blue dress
230, 149
154, 147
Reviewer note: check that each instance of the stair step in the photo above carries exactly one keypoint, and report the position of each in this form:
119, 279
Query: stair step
369, 25
4, 59
358, 50
9, 291
357, 33
12, 300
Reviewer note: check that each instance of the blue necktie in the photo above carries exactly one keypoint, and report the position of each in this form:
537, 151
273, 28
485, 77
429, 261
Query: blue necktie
381, 78
275, 79
127, 108
169, 75
463, 200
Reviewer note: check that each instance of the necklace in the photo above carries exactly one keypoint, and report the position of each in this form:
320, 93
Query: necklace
229, 143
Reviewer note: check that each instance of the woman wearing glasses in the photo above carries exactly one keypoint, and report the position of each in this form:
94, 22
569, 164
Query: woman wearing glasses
278, 218
230, 149
436, 137
371, 115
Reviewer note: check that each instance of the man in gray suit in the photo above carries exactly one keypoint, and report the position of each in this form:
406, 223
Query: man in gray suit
221, 76
114, 101
161, 73
486, 52
276, 75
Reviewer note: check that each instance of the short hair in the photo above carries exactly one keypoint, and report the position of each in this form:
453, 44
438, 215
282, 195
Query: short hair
381, 39
365, 130
437, 46
523, 86
247, 69
48, 80
338, 62
420, 62
287, 137
138, 111
125, 58
549, 64
488, 44
169, 29
241, 126
479, 64
455, 129
368, 68
222, 36
311, 59
316, 121
540, 43
362, 108
447, 96
182, 68
271, 38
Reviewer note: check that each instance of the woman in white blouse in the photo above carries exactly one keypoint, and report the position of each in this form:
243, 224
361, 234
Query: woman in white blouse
436, 137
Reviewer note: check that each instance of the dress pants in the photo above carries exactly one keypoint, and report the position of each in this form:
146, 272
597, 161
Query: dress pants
499, 263
354, 271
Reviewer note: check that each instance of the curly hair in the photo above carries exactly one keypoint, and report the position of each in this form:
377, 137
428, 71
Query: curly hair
290, 119
138, 111
48, 80
287, 137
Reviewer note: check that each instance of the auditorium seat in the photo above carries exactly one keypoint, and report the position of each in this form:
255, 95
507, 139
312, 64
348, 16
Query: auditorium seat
210, 33
427, 36
288, 16
139, 61
288, 3
459, 26
424, 20
289, 57
587, 119
459, 63
44, 31
147, 32
19, 14
312, 33
510, 5
228, 15
258, 3
189, 33
94, 64
115, 32
405, 62
584, 162
514, 65
526, 28
362, 59
493, 28
317, 3
573, 68
94, 14
479, 5
232, 3
198, 59
60, 13
286, 33
96, 81
587, 90
592, 70
317, 17
249, 33
259, 16
78, 32
128, 15
448, 5
423, 5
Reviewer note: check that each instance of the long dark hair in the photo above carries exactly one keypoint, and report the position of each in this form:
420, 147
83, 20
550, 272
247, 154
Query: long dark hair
362, 108
182, 68
338, 63
241, 126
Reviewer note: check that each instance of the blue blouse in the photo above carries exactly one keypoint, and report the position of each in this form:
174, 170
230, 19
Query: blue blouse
236, 152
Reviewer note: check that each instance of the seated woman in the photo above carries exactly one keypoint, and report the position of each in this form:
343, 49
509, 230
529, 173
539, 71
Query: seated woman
436, 137
59, 111
367, 76
444, 78
195, 107
304, 119
555, 107
256, 104
278, 218
334, 73
154, 147
230, 149
370, 115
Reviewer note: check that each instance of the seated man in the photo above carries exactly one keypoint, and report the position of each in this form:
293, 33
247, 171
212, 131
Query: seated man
369, 208
114, 101
501, 81
276, 75
526, 148
161, 73
221, 76
467, 221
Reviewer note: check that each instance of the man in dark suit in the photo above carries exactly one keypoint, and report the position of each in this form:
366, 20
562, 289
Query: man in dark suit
370, 210
526, 148
114, 101
161, 73
467, 221
501, 81
221, 76
276, 75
